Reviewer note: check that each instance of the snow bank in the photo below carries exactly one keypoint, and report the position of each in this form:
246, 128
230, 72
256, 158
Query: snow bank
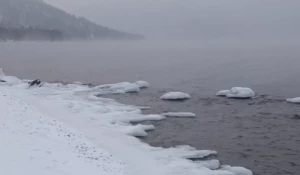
30, 138
293, 100
237, 92
142, 84
31, 143
179, 114
175, 96
9, 79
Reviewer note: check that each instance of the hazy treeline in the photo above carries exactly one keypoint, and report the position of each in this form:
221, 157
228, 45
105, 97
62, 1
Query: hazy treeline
34, 19
29, 34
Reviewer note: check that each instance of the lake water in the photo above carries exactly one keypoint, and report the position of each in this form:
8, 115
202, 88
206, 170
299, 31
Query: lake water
261, 134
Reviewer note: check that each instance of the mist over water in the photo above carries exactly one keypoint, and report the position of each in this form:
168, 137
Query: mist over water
197, 47
265, 64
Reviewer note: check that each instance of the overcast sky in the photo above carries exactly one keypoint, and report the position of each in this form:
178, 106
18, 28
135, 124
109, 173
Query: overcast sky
189, 17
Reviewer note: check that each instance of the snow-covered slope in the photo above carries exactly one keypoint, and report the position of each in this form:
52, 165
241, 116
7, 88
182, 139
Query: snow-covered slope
35, 130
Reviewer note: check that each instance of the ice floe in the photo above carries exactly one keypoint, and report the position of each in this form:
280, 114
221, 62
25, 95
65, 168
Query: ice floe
293, 100
175, 96
118, 88
223, 93
237, 170
237, 92
179, 114
142, 84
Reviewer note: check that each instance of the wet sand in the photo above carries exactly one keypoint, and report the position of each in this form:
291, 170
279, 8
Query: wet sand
261, 134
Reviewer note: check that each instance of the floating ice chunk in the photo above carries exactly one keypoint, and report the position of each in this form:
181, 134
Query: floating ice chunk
211, 164
237, 170
223, 93
142, 84
241, 92
188, 152
179, 114
138, 130
293, 100
175, 96
141, 118
118, 88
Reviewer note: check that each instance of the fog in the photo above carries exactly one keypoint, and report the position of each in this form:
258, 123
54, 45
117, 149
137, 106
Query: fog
192, 18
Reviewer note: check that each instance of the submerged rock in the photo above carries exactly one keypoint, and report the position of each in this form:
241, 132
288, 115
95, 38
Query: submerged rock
296, 117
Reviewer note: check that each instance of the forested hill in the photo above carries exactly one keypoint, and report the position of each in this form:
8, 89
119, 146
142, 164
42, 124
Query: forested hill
32, 18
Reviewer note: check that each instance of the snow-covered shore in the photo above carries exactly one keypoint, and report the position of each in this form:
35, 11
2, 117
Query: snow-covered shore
36, 131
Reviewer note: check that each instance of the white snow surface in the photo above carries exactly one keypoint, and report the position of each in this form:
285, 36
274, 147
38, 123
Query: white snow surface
293, 100
36, 135
175, 96
179, 114
32, 143
142, 84
237, 92
9, 79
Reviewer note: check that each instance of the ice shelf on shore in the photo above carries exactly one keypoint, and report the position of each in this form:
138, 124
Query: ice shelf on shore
61, 129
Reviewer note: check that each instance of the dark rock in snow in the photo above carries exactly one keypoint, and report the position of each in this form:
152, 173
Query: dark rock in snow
36, 82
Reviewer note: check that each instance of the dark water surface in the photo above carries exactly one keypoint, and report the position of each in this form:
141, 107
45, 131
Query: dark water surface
262, 134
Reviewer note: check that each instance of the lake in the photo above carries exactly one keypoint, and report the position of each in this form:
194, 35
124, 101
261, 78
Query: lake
261, 134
